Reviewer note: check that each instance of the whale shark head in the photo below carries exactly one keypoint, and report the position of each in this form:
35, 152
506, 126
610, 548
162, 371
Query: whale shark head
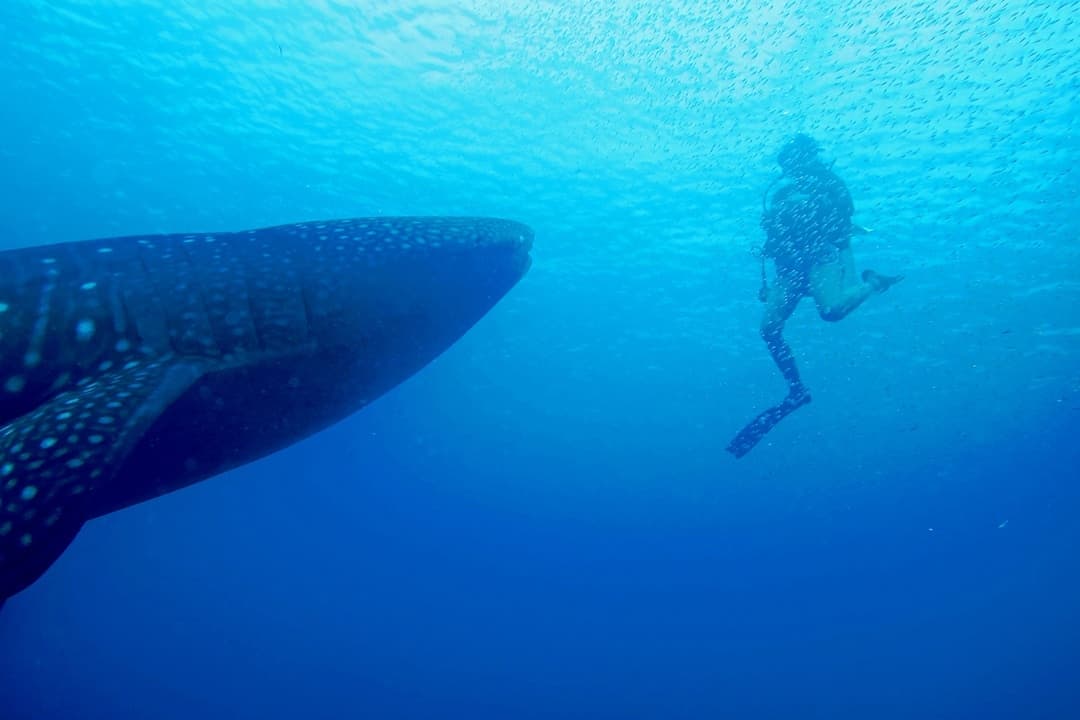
416, 283
132, 367
385, 297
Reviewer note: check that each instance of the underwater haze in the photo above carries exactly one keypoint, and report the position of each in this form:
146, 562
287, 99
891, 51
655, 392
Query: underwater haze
544, 522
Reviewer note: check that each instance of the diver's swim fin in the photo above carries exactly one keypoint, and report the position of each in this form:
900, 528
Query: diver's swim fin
745, 440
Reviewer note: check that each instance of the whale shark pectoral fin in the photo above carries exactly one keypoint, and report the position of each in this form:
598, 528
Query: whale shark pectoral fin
53, 458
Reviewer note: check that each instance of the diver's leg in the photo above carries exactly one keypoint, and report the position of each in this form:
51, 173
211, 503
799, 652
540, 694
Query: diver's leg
847, 258
834, 297
782, 301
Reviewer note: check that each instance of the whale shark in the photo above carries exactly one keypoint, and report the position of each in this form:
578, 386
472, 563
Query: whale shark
132, 367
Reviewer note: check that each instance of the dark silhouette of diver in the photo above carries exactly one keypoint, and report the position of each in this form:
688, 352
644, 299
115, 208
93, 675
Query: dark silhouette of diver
808, 233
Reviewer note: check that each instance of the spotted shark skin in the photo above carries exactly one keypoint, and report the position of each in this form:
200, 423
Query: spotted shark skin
132, 367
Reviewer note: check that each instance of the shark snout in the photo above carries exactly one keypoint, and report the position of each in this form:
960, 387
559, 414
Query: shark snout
498, 249
519, 235
519, 238
494, 232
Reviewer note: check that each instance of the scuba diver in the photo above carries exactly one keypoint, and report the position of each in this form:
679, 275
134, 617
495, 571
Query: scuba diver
808, 233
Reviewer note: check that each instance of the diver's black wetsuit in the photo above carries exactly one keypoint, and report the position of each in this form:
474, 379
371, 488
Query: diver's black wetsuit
807, 224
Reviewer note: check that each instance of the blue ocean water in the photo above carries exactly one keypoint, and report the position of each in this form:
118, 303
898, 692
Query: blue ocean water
544, 523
